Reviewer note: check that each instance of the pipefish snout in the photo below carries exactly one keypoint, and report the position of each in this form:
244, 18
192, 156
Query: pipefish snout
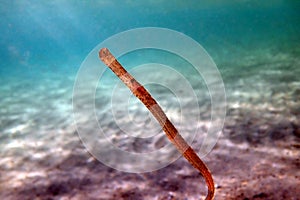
144, 96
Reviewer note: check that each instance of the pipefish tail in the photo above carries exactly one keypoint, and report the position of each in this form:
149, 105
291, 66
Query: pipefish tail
173, 135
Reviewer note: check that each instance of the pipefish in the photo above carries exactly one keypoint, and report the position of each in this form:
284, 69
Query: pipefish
173, 135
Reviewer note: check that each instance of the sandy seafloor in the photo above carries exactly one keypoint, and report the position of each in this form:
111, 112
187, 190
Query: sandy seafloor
256, 157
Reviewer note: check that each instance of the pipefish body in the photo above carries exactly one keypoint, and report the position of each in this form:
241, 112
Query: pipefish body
173, 135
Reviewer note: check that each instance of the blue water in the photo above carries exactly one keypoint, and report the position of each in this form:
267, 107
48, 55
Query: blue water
43, 40
58, 34
255, 45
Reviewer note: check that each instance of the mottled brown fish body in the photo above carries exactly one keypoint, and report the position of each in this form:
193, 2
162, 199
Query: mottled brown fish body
144, 96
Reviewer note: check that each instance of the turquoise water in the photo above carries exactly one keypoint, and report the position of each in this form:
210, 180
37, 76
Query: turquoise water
43, 44
60, 33
255, 46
